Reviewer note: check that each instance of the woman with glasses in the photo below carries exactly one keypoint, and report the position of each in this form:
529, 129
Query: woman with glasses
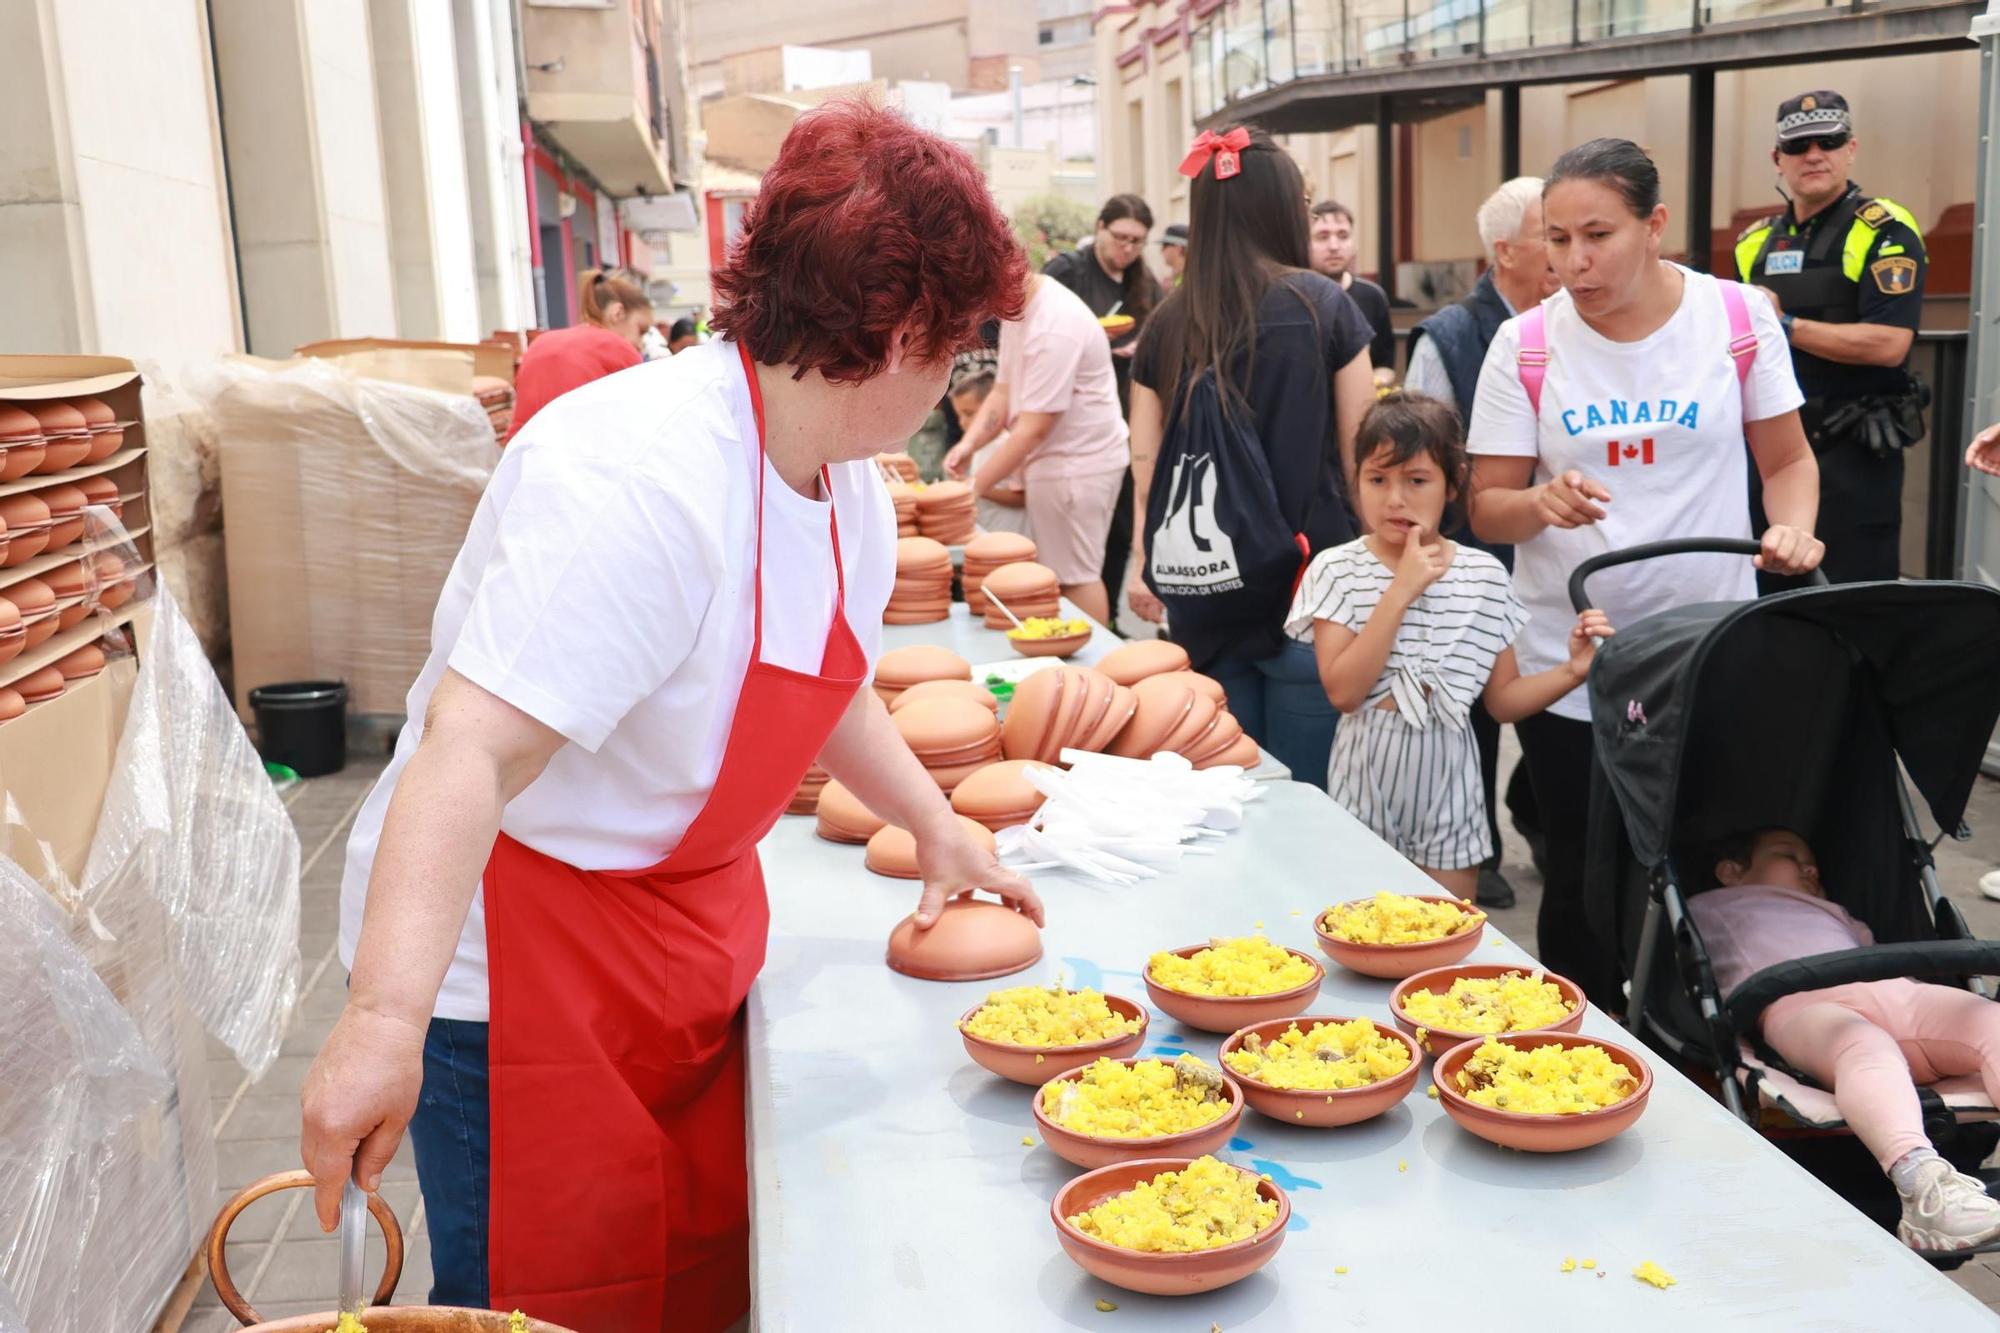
616, 312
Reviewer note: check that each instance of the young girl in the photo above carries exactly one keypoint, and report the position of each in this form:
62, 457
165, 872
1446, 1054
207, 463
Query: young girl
1870, 1042
1409, 630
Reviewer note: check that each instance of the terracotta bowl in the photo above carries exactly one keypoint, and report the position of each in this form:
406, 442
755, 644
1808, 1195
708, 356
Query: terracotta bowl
1227, 1013
1439, 979
1159, 1274
1090, 1152
1063, 646
1396, 961
1035, 1065
1322, 1109
1541, 1133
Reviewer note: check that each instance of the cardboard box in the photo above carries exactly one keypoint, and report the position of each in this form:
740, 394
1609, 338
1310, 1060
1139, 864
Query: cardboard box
446, 367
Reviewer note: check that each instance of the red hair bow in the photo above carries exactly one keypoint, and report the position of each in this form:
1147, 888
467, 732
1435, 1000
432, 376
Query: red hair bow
1222, 147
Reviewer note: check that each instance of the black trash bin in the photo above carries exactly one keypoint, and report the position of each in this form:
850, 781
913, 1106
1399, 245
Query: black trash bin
302, 724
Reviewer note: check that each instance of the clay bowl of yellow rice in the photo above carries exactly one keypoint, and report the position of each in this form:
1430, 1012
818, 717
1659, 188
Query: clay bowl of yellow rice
1322, 1071
1448, 1005
1228, 984
1028, 1033
1119, 1110
1039, 636
1393, 935
1130, 1224
1543, 1091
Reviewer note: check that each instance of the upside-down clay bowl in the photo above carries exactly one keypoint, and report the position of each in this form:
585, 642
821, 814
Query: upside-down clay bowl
1322, 1108
1089, 1151
1541, 1133
1438, 980
1160, 1274
1393, 962
1227, 1013
1035, 1065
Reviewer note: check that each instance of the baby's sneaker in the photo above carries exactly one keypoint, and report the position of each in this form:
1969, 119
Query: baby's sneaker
1946, 1210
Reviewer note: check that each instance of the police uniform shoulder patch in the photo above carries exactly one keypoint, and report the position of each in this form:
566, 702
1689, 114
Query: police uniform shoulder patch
1761, 224
1874, 214
1896, 276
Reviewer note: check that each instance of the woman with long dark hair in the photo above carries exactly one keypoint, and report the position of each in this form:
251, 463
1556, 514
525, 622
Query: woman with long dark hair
1288, 355
1615, 414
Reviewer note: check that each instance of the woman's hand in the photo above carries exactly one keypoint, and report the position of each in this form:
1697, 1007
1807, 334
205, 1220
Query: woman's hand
951, 862
958, 459
1422, 564
1789, 551
359, 1096
1144, 605
1566, 502
1583, 636
1983, 454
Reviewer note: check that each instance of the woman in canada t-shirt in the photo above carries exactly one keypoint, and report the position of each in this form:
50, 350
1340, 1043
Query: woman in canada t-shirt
1638, 438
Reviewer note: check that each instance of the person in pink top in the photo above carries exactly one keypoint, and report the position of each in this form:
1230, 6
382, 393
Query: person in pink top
1056, 398
1869, 1042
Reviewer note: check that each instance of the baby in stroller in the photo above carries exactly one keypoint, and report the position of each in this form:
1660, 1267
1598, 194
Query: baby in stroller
1871, 1042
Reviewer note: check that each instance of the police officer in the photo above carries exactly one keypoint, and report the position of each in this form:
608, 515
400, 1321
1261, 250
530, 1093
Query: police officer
1846, 272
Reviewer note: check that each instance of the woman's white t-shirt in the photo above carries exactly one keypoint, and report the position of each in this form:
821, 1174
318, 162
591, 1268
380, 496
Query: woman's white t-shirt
1659, 423
605, 589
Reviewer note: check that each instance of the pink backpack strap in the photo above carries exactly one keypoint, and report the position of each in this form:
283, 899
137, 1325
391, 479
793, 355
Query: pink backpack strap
1533, 357
1742, 336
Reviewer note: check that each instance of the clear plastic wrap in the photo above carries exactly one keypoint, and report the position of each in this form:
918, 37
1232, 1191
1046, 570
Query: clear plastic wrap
191, 820
347, 500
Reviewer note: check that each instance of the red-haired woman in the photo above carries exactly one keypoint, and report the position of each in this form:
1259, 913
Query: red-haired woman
616, 314
665, 609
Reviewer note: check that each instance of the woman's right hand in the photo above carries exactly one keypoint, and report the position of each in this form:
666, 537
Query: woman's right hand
1566, 501
359, 1096
1144, 605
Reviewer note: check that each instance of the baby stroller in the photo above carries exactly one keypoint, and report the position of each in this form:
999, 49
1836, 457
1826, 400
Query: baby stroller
1792, 711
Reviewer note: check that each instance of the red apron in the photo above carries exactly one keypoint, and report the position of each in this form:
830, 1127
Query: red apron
619, 1187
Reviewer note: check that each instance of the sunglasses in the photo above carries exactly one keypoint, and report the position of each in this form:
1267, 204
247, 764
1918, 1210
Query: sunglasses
1828, 143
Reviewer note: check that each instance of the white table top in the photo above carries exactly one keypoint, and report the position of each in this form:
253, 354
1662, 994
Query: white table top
892, 1190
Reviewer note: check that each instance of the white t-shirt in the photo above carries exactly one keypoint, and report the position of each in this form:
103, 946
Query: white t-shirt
1659, 423
1055, 358
1447, 642
605, 589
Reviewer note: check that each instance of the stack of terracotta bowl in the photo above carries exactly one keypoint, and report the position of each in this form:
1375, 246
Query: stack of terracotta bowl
986, 553
36, 602
951, 737
12, 705
21, 446
945, 512
27, 522
805, 800
1062, 708
82, 664
999, 795
38, 687
1142, 658
923, 583
1174, 712
1025, 588
107, 432
901, 464
902, 669
75, 597
66, 436
496, 397
843, 818
945, 689
101, 490
13, 632
893, 851
904, 497
115, 585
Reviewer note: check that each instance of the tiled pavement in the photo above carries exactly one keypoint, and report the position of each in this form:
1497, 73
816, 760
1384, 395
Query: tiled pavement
285, 1265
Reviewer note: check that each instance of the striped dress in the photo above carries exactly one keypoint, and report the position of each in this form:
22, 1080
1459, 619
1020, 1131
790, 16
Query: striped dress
1412, 774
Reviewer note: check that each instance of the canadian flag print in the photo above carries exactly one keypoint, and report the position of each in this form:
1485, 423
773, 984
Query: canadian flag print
1629, 451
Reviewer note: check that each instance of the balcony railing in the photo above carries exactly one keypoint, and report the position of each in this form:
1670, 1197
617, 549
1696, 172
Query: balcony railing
1247, 46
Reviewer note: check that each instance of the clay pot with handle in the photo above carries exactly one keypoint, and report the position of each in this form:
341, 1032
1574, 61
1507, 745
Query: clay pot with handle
378, 1317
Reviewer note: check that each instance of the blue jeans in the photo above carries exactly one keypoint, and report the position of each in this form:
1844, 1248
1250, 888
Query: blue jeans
453, 1142
1281, 703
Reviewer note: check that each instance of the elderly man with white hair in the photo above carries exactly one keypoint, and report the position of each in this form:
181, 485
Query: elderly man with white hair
1446, 352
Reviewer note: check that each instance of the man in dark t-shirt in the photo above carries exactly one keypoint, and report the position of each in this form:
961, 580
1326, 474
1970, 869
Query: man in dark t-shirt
1333, 251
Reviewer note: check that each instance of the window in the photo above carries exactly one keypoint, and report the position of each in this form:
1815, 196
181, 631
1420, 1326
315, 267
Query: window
1047, 36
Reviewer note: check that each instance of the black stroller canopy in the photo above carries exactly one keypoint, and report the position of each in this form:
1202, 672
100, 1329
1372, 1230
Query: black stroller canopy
1720, 717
